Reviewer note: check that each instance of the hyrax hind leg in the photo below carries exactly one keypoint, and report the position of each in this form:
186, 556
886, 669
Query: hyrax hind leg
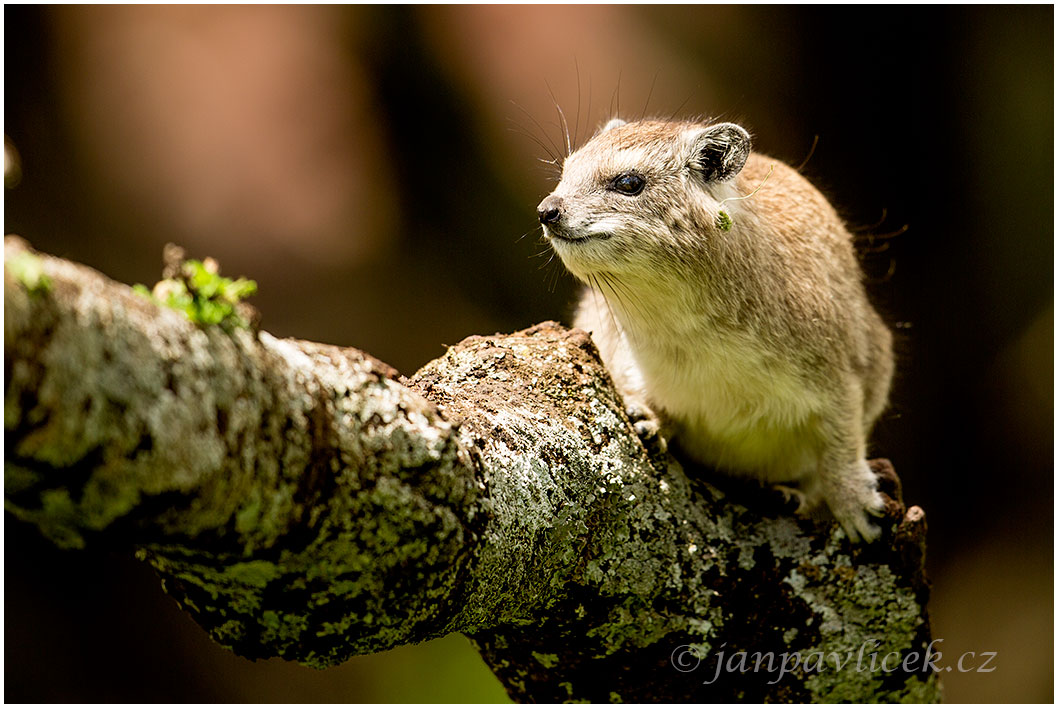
844, 480
850, 489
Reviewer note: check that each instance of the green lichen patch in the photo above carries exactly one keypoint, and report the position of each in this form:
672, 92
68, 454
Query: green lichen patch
18, 478
548, 660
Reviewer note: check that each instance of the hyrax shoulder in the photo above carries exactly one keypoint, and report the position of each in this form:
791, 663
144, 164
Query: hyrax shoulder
741, 321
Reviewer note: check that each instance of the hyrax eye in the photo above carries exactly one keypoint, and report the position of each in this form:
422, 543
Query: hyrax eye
628, 183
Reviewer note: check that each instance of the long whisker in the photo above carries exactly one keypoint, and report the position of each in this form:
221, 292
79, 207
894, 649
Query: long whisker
519, 130
628, 298
596, 291
587, 118
649, 94
576, 123
677, 111
811, 152
556, 273
562, 116
628, 335
555, 149
550, 258
891, 234
633, 300
525, 235
885, 215
551, 168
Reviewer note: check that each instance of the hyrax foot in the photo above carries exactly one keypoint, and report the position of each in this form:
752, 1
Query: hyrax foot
797, 497
854, 500
647, 426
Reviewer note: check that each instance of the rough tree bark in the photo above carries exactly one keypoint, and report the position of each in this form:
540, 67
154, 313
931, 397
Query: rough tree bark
305, 501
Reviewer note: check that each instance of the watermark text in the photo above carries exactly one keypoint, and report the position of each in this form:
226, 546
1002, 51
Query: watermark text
867, 659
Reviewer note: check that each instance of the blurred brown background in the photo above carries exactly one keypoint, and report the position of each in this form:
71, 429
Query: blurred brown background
374, 169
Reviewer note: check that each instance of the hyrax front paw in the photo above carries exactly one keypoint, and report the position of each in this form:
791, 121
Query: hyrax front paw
647, 426
855, 501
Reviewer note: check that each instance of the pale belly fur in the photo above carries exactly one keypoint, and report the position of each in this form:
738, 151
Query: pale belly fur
737, 409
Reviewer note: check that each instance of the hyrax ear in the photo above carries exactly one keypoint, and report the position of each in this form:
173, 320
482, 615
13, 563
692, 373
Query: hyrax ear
719, 152
612, 123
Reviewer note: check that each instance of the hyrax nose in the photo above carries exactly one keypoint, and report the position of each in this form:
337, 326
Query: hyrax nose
550, 210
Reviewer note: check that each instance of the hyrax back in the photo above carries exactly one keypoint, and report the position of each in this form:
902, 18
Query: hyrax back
751, 337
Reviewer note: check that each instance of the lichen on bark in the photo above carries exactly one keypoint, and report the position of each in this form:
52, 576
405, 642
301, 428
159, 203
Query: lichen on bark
305, 501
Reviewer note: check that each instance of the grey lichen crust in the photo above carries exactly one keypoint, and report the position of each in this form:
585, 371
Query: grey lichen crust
602, 561
295, 498
303, 501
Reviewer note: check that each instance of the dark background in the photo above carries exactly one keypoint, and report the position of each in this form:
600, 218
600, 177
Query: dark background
374, 169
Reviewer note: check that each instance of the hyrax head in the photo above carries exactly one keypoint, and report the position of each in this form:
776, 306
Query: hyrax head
638, 192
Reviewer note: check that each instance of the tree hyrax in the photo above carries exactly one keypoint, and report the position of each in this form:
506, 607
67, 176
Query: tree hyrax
744, 325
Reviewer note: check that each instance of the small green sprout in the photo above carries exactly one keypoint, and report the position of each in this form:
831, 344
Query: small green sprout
723, 219
197, 289
28, 269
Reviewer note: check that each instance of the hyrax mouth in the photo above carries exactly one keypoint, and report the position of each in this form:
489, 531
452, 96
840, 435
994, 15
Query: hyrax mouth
556, 232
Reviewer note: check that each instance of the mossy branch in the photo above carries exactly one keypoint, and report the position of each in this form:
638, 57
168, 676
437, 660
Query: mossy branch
304, 501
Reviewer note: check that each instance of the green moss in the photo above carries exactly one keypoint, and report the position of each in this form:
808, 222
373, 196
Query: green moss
28, 269
202, 294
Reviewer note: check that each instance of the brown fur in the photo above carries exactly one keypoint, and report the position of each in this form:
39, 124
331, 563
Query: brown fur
756, 345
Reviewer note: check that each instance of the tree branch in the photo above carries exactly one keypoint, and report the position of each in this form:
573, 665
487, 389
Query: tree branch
304, 501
